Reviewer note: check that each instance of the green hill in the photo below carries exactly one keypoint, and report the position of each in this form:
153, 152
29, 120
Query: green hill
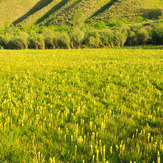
49, 12
149, 9
11, 10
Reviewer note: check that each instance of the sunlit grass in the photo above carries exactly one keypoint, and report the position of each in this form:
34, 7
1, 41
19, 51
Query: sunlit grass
81, 105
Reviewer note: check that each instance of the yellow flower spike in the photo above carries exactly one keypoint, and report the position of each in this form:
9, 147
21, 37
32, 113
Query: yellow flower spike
91, 149
104, 153
93, 158
101, 150
90, 125
72, 138
66, 130
111, 150
97, 155
53, 159
75, 150
84, 138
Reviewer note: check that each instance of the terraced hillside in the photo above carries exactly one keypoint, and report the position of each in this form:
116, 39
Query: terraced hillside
48, 12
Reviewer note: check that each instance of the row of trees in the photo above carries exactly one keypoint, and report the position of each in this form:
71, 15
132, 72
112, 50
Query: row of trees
47, 38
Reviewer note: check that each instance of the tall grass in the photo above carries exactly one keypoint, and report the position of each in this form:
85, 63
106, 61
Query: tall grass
77, 106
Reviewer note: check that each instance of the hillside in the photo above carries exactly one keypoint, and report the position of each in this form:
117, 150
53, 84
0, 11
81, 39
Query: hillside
149, 9
11, 10
49, 12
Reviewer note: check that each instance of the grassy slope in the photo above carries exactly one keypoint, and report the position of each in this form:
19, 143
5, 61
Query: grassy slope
40, 13
49, 12
88, 7
130, 9
10, 10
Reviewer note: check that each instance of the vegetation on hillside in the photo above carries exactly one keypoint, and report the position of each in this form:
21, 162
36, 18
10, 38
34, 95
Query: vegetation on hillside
130, 10
59, 12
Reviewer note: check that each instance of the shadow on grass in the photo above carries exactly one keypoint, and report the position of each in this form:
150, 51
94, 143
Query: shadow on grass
151, 13
41, 4
53, 10
105, 7
146, 47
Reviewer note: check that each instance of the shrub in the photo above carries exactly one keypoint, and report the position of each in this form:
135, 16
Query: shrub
76, 36
120, 37
63, 28
115, 23
62, 39
157, 34
36, 41
23, 37
161, 16
99, 25
137, 36
16, 43
48, 38
2, 42
107, 37
142, 36
92, 38
139, 19
1, 47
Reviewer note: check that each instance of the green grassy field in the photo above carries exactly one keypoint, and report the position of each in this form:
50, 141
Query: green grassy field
101, 105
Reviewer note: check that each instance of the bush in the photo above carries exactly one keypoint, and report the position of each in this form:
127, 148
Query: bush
56, 39
120, 37
62, 39
107, 37
137, 36
48, 38
99, 25
139, 19
16, 43
36, 41
92, 38
157, 34
76, 36
2, 42
115, 23
63, 28
15, 38
142, 36
23, 37
111, 38
1, 47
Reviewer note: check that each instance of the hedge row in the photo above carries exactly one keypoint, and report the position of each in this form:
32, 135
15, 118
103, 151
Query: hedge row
47, 38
